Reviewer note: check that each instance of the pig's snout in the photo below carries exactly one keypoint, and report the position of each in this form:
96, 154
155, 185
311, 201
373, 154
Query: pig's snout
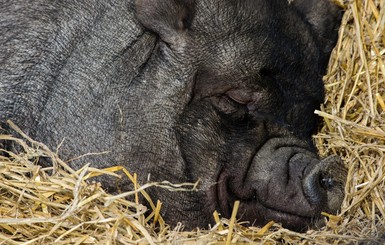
324, 183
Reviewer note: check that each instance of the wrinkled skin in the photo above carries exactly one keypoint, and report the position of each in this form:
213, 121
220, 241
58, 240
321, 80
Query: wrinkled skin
217, 91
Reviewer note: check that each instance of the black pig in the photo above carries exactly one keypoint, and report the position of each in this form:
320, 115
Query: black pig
220, 91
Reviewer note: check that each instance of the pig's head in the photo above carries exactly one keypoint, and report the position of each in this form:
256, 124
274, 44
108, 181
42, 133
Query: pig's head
253, 78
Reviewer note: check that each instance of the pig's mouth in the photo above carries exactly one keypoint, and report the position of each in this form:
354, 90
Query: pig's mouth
252, 210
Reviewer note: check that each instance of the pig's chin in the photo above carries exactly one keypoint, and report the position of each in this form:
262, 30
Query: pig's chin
254, 212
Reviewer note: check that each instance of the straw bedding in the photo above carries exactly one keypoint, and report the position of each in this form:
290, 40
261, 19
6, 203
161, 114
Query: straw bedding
63, 206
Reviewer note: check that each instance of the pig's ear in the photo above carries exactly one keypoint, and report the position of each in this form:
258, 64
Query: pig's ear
168, 18
324, 17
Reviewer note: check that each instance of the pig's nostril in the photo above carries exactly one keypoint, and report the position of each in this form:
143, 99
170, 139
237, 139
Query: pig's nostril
317, 184
323, 184
327, 182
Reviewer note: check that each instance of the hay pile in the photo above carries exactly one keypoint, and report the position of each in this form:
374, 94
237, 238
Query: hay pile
38, 206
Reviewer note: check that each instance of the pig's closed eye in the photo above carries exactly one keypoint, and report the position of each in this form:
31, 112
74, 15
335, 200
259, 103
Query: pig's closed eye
226, 104
242, 97
231, 107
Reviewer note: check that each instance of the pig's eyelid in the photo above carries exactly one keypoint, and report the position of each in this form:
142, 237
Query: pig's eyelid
236, 100
231, 99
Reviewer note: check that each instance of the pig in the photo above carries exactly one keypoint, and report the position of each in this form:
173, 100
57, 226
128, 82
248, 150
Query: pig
220, 92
